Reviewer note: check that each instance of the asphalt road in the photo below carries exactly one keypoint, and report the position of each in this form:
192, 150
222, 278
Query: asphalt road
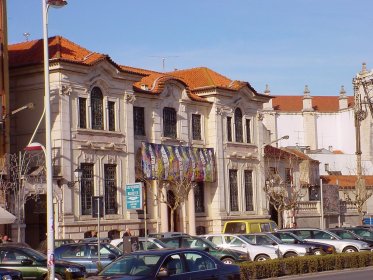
347, 274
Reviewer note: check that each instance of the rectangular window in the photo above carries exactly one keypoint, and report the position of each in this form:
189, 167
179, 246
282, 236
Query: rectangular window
248, 131
229, 129
82, 112
139, 120
111, 206
86, 188
233, 188
111, 115
169, 122
199, 197
196, 127
249, 190
288, 176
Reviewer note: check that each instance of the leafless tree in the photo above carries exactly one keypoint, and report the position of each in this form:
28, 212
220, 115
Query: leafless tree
358, 195
23, 176
282, 185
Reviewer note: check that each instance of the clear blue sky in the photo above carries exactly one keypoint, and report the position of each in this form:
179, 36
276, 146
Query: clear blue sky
284, 43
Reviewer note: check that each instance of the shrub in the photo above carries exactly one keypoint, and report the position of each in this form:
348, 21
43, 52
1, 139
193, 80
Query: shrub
303, 265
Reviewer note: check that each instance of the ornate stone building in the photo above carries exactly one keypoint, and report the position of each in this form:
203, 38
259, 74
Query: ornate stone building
104, 113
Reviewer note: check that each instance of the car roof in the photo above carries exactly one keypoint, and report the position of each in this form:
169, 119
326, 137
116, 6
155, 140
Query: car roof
162, 251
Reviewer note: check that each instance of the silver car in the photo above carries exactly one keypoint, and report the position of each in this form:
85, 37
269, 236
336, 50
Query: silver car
287, 250
231, 241
325, 236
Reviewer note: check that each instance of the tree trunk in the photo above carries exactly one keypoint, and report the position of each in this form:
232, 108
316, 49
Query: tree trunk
172, 213
279, 218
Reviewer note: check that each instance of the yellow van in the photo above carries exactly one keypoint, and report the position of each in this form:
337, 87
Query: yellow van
249, 226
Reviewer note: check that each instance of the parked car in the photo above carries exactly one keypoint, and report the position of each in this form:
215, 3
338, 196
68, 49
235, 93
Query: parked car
10, 274
149, 243
231, 241
363, 232
287, 250
168, 264
318, 248
167, 234
60, 242
86, 253
226, 256
249, 226
94, 239
33, 264
324, 236
347, 234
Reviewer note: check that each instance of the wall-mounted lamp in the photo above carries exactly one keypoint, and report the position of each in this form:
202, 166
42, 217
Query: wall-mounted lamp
78, 174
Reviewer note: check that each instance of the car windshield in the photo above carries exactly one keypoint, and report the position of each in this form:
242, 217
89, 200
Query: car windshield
344, 234
139, 265
113, 249
35, 254
363, 232
274, 238
288, 237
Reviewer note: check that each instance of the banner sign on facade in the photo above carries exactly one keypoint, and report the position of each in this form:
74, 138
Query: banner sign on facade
134, 196
169, 163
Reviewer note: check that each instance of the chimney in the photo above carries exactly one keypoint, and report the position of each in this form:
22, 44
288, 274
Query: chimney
307, 100
343, 100
269, 104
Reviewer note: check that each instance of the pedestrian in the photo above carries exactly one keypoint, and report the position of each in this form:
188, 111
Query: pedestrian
6, 239
127, 232
93, 233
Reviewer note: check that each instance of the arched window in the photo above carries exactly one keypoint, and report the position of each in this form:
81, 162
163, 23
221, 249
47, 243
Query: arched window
97, 109
238, 125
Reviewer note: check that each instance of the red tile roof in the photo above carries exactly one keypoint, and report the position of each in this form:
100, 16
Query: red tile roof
195, 79
345, 181
319, 103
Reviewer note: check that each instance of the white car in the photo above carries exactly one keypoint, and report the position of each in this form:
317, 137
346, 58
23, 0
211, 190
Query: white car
287, 250
325, 236
149, 243
231, 241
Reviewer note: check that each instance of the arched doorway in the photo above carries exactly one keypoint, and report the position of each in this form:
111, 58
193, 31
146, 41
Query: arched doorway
171, 202
35, 220
274, 214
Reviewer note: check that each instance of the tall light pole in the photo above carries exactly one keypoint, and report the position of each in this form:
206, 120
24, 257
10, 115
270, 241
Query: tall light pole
48, 141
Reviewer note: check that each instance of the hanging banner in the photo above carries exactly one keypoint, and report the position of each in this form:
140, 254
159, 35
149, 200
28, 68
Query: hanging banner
169, 163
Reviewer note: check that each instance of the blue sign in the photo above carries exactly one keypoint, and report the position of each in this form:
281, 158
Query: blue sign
134, 196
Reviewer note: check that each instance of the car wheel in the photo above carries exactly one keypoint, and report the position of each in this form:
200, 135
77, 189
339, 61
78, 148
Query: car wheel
260, 258
228, 260
290, 255
349, 249
318, 252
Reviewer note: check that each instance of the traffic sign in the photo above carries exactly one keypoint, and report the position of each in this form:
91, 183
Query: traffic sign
134, 196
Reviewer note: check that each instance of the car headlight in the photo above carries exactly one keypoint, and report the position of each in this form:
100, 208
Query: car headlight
244, 257
330, 249
6, 277
73, 269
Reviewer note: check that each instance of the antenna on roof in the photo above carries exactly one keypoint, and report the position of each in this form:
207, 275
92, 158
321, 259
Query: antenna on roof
26, 34
164, 59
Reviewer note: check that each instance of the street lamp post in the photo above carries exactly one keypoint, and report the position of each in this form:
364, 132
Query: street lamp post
48, 150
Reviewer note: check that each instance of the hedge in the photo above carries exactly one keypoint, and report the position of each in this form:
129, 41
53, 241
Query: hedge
303, 265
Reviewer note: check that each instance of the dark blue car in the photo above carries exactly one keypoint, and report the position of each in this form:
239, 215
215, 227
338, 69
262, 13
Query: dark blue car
179, 264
